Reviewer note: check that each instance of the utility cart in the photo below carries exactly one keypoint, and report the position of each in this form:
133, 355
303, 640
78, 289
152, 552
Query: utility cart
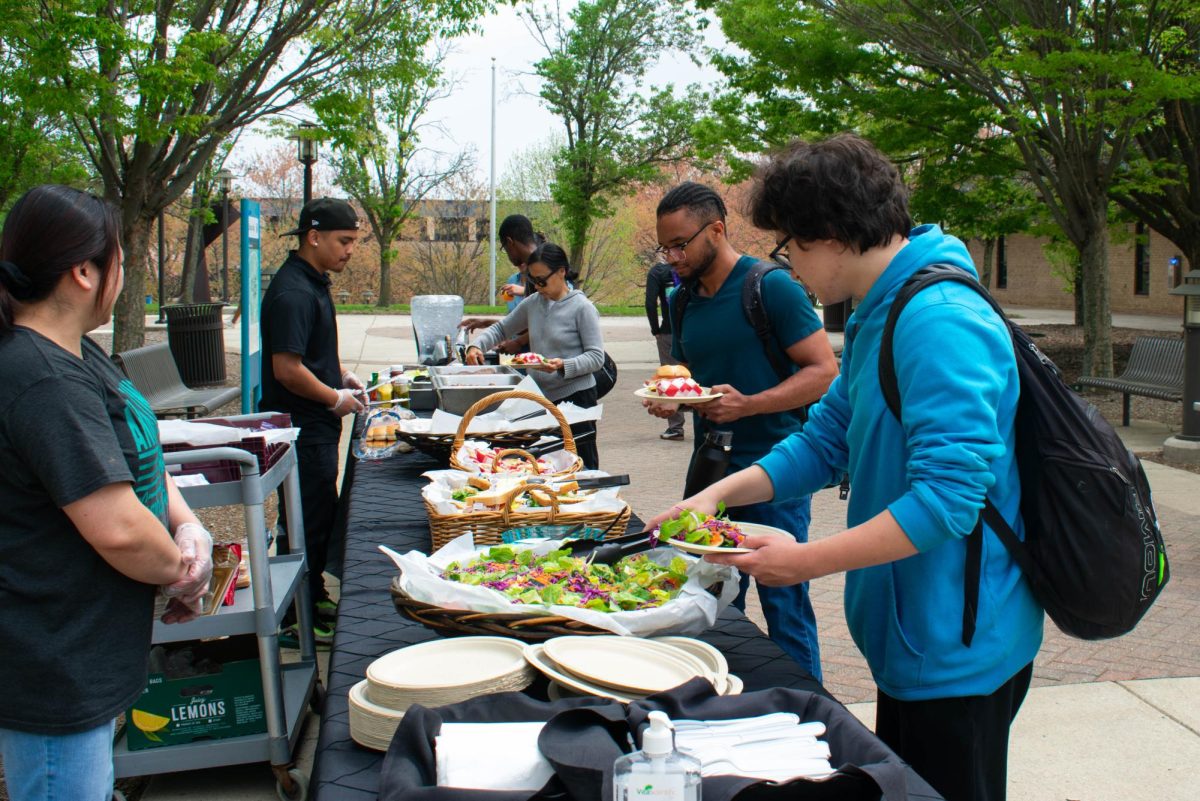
276, 583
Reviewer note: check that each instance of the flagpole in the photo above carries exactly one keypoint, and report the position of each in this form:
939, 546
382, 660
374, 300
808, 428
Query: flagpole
492, 192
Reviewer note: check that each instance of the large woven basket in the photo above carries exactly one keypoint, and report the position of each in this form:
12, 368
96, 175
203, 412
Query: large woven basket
453, 622
487, 527
526, 626
440, 446
461, 435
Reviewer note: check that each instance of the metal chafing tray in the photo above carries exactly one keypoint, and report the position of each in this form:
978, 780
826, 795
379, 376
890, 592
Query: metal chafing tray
459, 386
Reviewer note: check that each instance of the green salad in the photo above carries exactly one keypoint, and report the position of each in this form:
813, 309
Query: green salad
635, 582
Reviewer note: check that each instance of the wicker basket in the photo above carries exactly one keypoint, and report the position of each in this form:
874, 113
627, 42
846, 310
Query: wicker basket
452, 622
440, 446
527, 626
461, 435
488, 527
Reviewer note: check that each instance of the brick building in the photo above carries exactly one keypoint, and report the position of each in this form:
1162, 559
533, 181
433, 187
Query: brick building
1141, 274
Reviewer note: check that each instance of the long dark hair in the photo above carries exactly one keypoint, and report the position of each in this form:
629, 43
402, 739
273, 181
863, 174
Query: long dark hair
49, 230
553, 257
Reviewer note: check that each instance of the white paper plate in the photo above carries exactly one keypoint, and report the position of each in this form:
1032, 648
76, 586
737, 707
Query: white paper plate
535, 655
453, 662
645, 392
371, 725
713, 659
628, 664
735, 686
754, 529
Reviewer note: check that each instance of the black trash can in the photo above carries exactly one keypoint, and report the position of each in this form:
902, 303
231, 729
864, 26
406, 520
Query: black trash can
836, 315
195, 334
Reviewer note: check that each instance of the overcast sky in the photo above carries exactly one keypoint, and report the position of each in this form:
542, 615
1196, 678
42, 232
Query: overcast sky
521, 121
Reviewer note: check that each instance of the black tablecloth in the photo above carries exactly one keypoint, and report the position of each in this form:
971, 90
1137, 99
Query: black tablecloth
385, 508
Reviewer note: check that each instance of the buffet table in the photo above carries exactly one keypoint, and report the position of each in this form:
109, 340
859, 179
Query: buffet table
384, 508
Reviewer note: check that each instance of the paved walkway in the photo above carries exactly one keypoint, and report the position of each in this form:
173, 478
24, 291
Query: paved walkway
1108, 721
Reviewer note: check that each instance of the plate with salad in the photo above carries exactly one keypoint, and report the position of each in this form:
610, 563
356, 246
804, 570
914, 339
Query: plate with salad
699, 533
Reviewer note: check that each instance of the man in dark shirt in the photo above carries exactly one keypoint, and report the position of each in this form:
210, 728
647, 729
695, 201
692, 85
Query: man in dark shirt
660, 282
303, 376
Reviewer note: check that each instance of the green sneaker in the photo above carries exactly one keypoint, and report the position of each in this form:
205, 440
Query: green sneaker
326, 612
290, 636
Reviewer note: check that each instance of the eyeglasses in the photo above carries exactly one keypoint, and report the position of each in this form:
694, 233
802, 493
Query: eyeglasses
676, 251
779, 257
541, 282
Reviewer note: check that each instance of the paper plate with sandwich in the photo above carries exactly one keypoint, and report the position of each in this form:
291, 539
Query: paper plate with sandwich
673, 383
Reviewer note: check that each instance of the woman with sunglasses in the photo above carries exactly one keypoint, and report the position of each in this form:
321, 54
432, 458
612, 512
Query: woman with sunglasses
90, 522
564, 326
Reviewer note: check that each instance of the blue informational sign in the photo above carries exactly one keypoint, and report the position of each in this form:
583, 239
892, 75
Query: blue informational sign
251, 306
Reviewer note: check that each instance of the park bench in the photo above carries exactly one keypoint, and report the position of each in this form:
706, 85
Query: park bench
1155, 370
153, 371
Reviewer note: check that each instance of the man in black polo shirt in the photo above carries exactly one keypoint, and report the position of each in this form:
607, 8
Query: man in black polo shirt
303, 375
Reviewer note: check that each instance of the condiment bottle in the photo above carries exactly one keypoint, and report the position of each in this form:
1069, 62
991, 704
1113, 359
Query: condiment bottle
658, 771
385, 395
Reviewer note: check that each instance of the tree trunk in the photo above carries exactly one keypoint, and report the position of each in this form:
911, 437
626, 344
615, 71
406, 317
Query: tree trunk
1094, 278
386, 255
1077, 297
129, 316
989, 252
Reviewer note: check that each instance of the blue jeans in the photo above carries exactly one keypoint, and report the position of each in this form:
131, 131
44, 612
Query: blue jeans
59, 767
791, 622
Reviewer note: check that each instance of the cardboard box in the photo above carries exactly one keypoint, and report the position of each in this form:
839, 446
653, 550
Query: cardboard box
227, 703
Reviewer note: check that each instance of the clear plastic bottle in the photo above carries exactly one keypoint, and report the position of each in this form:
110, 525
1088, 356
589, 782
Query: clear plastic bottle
658, 772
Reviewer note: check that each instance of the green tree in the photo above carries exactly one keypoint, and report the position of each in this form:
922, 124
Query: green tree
151, 91
801, 73
375, 123
1070, 86
618, 134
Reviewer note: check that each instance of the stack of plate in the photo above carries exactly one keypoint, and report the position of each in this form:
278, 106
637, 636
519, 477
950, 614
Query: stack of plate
432, 674
627, 668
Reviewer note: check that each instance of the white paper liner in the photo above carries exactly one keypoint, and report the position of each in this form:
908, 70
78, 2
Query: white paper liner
173, 432
442, 484
693, 611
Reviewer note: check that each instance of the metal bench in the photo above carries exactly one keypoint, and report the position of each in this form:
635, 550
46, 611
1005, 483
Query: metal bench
153, 371
1155, 370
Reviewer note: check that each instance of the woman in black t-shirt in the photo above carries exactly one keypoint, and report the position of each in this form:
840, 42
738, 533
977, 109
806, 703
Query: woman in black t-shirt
90, 523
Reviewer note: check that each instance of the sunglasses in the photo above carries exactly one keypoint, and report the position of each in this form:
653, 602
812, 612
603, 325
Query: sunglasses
541, 281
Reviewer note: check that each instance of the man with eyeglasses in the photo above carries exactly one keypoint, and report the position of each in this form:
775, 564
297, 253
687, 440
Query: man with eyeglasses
720, 346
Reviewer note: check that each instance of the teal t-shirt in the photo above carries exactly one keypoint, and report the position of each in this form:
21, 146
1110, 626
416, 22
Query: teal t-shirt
720, 347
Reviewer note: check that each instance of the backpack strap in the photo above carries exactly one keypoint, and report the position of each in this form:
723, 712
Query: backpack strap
756, 314
936, 274
678, 304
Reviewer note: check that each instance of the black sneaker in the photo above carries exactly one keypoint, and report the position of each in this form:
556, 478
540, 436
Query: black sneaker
671, 433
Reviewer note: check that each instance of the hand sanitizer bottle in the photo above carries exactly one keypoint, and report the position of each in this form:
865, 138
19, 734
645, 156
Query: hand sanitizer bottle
658, 772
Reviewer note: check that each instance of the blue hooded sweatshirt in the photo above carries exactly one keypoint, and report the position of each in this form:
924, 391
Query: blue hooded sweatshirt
958, 384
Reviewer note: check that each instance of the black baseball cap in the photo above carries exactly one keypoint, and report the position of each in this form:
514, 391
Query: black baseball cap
326, 214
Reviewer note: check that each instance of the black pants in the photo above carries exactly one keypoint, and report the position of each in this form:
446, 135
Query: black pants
318, 463
586, 399
958, 745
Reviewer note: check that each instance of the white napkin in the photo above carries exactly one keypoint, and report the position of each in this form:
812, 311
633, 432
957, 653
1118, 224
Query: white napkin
491, 756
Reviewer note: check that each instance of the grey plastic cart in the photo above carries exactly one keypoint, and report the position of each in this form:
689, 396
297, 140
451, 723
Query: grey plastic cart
276, 582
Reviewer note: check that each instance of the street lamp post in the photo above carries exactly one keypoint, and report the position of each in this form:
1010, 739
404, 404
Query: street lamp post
1186, 446
162, 260
308, 150
225, 182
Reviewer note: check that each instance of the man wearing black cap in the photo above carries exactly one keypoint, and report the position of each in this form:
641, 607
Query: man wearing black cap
303, 376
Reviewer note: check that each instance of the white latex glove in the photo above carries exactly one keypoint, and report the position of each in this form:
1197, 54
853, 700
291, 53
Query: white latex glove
346, 403
195, 546
351, 381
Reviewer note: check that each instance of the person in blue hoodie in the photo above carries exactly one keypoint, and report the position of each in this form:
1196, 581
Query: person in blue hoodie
840, 212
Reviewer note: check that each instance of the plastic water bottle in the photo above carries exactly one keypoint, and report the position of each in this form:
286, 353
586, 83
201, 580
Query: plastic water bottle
710, 462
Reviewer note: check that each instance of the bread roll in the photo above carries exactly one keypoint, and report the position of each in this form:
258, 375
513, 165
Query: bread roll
672, 371
479, 482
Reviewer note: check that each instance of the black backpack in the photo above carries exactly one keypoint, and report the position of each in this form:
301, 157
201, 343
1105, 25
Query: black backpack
1093, 552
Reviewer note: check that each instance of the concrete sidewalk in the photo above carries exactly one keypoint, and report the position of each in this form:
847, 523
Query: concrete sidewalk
1110, 721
